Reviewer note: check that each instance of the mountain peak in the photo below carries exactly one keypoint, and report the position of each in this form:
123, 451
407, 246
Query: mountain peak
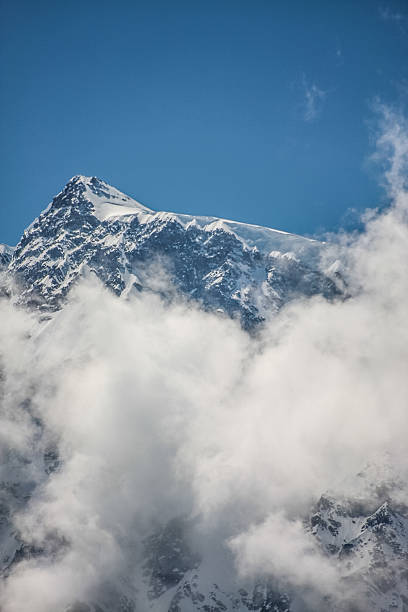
106, 200
87, 181
80, 178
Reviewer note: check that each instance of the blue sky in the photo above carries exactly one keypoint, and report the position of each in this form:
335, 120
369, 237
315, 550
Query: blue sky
260, 111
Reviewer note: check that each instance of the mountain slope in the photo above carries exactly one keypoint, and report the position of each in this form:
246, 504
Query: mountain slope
6, 253
243, 270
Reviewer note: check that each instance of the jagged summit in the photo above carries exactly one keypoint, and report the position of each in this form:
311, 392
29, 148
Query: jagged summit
80, 178
107, 201
243, 270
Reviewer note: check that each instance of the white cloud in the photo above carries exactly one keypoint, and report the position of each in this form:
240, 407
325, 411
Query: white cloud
313, 100
388, 15
392, 149
160, 410
394, 17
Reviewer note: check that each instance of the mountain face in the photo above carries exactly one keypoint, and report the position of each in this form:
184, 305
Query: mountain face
242, 270
6, 254
245, 272
372, 548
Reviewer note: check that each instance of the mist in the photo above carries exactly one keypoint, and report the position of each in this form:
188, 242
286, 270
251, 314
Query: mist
155, 410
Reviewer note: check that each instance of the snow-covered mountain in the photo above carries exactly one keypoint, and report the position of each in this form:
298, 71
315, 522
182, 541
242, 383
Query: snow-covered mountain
244, 270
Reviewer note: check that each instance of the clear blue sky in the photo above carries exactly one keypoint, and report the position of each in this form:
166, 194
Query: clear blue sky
256, 110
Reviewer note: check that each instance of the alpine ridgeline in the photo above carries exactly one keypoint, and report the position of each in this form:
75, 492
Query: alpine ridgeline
244, 270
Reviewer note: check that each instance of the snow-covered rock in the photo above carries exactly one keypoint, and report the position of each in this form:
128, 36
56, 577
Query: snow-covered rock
370, 547
243, 270
6, 253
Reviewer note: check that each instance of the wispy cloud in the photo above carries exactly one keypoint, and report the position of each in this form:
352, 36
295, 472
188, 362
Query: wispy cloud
339, 56
388, 15
313, 99
392, 148
396, 17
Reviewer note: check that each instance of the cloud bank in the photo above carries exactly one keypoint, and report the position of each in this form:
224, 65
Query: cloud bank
152, 410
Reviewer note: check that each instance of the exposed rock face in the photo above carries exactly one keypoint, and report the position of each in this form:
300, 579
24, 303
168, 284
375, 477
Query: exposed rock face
371, 546
6, 254
244, 271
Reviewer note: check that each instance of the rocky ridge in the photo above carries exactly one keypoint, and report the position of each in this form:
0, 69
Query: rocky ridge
244, 271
